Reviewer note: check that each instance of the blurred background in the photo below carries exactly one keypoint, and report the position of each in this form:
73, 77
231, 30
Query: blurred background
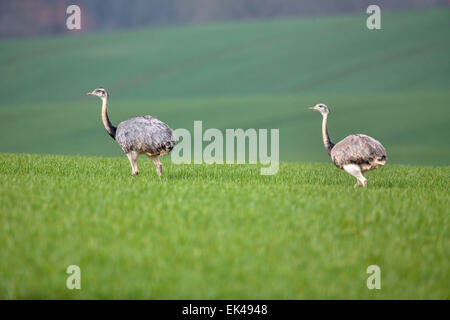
232, 64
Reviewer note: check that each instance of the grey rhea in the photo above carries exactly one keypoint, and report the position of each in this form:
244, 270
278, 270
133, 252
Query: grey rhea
356, 154
139, 135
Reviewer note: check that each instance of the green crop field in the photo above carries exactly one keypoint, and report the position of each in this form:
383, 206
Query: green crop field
225, 231
216, 231
392, 84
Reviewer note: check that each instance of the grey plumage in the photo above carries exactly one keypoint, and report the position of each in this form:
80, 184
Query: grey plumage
356, 154
145, 134
357, 149
139, 135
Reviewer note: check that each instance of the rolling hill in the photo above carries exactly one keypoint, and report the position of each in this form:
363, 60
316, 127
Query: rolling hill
392, 84
226, 231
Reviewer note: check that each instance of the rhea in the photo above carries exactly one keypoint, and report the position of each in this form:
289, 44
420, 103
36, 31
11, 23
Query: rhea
139, 135
356, 154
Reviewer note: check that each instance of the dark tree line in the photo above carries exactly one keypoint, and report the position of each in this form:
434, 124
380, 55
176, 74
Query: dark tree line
20, 18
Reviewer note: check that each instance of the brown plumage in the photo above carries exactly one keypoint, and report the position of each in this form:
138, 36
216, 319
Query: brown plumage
356, 154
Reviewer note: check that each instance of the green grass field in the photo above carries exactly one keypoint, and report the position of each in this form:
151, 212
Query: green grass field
392, 84
220, 231
225, 231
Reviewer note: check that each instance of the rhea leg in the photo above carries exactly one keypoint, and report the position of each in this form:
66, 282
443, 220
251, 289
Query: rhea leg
355, 171
133, 157
158, 164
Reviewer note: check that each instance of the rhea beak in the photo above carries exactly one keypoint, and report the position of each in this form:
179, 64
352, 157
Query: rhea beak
89, 94
311, 108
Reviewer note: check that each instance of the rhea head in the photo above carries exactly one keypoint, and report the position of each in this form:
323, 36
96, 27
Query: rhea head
99, 92
323, 109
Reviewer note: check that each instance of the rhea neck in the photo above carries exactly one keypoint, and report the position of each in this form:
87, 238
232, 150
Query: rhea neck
105, 119
326, 138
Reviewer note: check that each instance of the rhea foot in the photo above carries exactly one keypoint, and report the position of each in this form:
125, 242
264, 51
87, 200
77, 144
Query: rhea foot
359, 184
159, 170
